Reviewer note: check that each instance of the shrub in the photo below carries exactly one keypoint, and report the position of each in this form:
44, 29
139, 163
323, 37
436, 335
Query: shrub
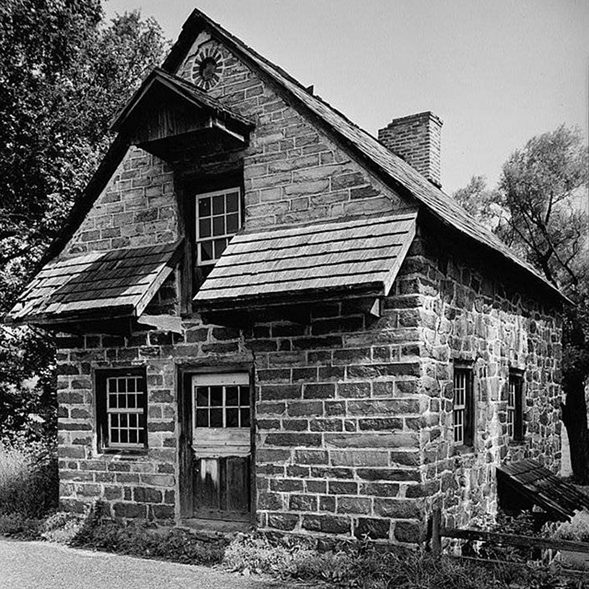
140, 539
20, 527
576, 529
29, 484
62, 527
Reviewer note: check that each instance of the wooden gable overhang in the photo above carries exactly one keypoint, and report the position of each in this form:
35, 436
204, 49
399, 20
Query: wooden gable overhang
169, 116
96, 287
294, 267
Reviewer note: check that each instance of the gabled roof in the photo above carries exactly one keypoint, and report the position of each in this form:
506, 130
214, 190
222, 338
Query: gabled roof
118, 283
121, 144
390, 166
360, 255
183, 89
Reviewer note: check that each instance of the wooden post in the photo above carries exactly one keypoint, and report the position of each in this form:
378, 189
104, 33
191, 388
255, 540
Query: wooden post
436, 543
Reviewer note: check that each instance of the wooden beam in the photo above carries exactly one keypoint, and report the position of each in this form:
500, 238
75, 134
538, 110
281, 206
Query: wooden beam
515, 540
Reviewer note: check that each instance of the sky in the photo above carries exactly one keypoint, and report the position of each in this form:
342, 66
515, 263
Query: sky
497, 72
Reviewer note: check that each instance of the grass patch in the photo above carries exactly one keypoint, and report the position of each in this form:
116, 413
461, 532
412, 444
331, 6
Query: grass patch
29, 483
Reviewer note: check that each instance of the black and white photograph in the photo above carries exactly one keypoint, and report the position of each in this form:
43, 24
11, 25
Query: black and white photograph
294, 294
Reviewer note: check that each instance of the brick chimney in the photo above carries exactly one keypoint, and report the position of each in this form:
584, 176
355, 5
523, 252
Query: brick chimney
416, 139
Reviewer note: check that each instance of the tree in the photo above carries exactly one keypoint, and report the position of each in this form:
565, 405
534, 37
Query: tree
64, 73
539, 208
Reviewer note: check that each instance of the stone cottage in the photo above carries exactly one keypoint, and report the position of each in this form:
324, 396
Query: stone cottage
265, 315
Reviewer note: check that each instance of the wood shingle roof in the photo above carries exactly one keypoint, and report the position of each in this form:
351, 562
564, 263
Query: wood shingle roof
539, 486
355, 254
102, 284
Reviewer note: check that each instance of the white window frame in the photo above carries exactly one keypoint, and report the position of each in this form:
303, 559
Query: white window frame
139, 410
211, 238
463, 406
459, 407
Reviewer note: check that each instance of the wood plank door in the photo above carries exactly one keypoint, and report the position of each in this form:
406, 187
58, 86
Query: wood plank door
221, 445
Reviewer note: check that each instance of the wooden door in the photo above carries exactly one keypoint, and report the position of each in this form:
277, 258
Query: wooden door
221, 445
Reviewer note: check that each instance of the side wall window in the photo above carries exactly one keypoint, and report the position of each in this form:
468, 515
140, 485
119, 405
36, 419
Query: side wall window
515, 406
121, 403
463, 406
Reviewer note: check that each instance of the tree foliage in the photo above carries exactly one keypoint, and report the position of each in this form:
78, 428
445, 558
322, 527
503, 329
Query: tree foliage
64, 73
539, 208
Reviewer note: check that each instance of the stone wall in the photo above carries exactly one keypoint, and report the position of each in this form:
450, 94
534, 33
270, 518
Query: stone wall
137, 208
471, 310
145, 484
338, 408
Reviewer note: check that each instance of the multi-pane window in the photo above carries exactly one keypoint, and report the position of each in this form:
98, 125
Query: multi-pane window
221, 400
462, 410
515, 406
122, 408
218, 218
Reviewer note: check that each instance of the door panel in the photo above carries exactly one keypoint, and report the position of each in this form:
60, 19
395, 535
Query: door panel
207, 484
237, 471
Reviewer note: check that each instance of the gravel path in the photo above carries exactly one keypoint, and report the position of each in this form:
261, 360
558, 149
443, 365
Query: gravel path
41, 565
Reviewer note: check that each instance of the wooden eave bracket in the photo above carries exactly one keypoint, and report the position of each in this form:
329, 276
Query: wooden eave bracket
392, 274
376, 308
214, 122
169, 323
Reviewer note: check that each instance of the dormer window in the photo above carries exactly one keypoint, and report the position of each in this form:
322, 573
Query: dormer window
218, 218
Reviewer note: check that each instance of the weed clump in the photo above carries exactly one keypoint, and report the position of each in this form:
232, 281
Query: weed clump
29, 483
377, 567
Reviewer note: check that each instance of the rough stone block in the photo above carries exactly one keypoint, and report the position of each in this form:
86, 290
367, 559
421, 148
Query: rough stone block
376, 529
327, 524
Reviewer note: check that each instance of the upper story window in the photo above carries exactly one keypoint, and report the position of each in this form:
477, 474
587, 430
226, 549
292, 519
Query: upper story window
463, 406
515, 406
218, 219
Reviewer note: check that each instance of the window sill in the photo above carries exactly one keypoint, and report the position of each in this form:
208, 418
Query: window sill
124, 452
517, 443
463, 450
